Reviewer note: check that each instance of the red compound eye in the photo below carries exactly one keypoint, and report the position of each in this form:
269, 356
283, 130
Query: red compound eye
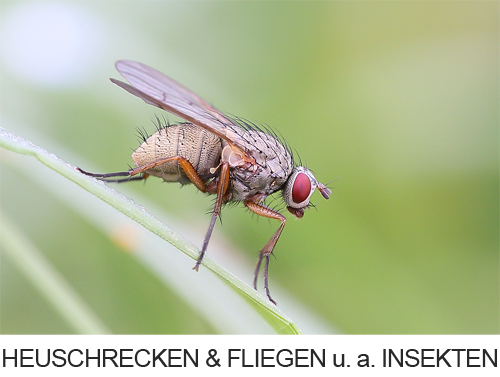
301, 188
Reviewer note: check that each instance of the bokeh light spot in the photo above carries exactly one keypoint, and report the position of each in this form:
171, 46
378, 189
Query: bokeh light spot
50, 44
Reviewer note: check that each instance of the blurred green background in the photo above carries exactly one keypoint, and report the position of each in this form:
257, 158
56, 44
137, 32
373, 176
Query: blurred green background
396, 102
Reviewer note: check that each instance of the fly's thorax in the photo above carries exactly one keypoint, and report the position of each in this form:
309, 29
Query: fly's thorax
200, 147
272, 167
269, 153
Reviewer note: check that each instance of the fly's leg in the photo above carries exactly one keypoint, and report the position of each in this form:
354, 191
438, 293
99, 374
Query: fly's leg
185, 165
221, 191
141, 177
268, 249
103, 177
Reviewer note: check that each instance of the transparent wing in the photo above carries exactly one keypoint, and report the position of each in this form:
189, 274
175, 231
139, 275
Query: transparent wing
161, 91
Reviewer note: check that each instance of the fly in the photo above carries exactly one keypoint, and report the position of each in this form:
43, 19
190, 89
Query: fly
220, 155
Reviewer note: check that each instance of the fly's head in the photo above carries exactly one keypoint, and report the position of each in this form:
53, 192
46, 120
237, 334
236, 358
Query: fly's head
299, 188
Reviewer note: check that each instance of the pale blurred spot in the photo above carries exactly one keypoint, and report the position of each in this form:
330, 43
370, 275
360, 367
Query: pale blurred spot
126, 236
50, 44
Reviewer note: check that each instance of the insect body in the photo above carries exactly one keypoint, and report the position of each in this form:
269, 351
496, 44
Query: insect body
220, 155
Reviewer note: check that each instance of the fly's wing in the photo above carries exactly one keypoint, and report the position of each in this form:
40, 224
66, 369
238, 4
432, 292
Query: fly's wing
161, 91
